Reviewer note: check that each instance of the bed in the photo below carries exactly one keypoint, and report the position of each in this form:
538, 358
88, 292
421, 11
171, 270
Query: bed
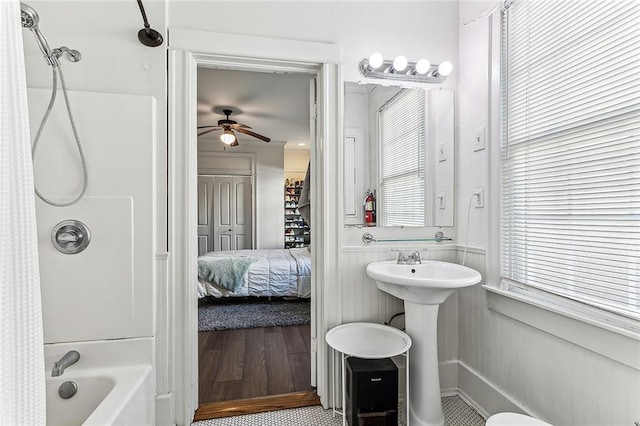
270, 273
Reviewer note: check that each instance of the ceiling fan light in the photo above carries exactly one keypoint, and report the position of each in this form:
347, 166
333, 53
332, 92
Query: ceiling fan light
227, 137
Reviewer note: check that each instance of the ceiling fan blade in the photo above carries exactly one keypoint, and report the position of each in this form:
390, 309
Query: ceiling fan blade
208, 131
238, 126
254, 134
204, 127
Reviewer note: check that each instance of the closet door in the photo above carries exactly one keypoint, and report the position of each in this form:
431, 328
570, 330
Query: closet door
231, 213
205, 229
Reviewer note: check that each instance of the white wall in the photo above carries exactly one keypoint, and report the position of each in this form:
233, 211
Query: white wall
269, 189
426, 29
506, 364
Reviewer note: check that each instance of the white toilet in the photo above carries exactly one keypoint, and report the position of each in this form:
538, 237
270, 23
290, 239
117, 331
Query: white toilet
514, 419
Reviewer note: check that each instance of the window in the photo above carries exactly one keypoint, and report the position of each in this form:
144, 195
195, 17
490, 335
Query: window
570, 152
402, 176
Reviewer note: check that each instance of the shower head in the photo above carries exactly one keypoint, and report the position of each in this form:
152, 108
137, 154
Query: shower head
29, 16
30, 20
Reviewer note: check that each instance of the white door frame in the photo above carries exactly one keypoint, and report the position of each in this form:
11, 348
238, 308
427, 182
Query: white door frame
188, 50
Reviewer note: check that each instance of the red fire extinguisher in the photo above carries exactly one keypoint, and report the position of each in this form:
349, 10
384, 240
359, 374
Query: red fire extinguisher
370, 209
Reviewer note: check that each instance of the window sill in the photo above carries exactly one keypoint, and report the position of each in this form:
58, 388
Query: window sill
609, 340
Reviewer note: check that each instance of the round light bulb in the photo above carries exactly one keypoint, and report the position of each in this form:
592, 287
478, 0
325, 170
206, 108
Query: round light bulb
400, 63
376, 60
422, 66
227, 137
445, 68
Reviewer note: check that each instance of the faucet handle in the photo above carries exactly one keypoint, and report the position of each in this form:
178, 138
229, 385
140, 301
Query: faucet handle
415, 255
400, 252
401, 256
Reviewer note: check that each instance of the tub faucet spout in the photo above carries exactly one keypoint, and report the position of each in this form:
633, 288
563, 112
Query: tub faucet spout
68, 359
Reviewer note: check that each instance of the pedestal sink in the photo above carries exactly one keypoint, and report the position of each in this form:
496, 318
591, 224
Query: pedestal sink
423, 287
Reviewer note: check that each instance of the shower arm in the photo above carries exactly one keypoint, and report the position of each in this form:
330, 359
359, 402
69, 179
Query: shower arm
147, 27
148, 36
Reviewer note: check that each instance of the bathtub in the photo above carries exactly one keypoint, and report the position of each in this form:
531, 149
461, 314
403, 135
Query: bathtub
112, 390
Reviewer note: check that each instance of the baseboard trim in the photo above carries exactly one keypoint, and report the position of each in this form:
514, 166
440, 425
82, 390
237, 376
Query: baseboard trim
485, 397
165, 414
215, 410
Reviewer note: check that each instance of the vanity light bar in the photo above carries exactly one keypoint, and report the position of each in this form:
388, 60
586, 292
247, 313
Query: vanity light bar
377, 67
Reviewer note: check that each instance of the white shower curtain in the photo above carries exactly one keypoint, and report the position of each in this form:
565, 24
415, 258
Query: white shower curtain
22, 385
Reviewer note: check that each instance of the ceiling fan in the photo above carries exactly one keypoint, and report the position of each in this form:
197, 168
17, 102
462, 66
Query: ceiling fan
228, 126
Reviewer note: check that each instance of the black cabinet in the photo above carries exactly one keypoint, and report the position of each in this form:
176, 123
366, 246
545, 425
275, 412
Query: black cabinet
372, 392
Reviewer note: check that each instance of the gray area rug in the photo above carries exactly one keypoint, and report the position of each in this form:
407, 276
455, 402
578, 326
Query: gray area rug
252, 313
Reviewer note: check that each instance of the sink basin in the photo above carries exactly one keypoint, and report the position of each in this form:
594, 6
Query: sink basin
423, 287
428, 283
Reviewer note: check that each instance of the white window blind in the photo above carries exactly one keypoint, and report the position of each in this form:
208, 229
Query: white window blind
403, 159
570, 151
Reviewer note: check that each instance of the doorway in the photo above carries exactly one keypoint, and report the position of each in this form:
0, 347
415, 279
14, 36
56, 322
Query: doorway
177, 368
254, 342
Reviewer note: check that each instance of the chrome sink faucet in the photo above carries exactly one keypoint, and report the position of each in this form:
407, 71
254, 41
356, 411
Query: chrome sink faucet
68, 359
412, 259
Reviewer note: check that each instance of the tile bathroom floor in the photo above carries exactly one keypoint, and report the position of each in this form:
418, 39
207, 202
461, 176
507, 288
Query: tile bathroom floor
456, 413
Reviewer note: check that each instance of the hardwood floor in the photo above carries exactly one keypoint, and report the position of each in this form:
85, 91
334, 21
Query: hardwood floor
253, 363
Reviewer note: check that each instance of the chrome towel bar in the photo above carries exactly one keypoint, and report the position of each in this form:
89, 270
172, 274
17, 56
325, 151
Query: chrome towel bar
367, 238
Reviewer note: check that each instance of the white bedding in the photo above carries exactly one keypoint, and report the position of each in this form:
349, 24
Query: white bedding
277, 272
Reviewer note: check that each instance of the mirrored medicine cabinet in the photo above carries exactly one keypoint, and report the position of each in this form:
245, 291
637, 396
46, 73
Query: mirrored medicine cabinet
400, 143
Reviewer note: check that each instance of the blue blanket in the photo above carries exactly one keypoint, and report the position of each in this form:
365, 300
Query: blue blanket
226, 272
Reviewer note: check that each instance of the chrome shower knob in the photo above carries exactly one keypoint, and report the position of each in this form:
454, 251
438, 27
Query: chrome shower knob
70, 236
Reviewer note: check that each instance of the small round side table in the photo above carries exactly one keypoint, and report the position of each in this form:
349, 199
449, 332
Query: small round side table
370, 341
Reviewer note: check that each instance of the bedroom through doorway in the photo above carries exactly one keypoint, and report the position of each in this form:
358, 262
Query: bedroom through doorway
254, 260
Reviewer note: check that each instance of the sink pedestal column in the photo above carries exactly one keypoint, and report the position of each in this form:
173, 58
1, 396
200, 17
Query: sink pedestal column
421, 322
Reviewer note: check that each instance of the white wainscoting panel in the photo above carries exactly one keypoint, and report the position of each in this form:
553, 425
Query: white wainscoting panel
548, 377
